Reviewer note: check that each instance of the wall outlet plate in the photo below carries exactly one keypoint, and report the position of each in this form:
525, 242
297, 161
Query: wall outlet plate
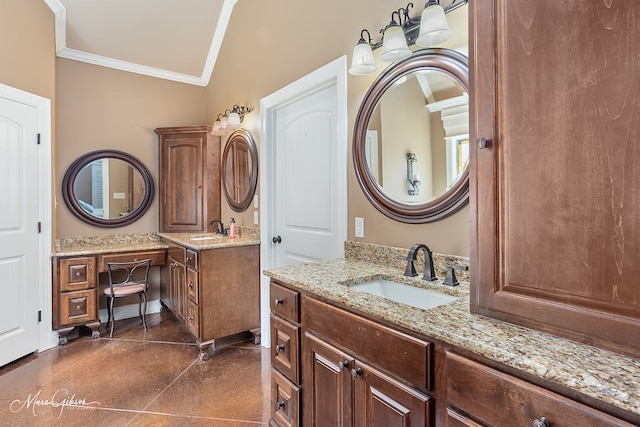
359, 228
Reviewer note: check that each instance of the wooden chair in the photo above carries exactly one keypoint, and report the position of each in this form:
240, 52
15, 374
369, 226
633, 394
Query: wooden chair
127, 278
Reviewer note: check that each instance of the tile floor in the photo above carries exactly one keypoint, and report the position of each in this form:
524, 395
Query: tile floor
138, 378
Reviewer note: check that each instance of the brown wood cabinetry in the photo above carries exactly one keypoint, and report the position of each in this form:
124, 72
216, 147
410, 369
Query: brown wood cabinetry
214, 292
493, 398
75, 295
189, 178
554, 195
340, 375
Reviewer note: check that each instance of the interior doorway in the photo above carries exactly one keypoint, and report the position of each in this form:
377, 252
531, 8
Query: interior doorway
25, 224
303, 173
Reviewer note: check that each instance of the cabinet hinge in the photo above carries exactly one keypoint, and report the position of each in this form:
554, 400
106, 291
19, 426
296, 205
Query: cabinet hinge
38, 139
39, 227
39, 315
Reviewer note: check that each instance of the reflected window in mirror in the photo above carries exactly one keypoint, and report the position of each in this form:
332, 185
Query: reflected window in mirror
108, 188
240, 170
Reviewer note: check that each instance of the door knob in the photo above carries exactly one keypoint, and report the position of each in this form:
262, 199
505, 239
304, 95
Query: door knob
277, 239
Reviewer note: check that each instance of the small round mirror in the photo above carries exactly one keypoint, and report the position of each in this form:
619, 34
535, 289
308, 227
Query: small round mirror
240, 170
108, 188
411, 140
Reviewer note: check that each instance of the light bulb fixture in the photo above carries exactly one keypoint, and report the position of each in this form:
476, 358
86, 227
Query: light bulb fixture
431, 27
414, 179
215, 129
394, 42
231, 119
362, 60
434, 27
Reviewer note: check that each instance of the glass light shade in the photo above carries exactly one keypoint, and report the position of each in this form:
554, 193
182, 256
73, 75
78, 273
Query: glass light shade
362, 60
216, 127
434, 27
234, 120
224, 122
394, 45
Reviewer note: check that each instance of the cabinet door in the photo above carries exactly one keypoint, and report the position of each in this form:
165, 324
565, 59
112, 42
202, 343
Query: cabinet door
381, 401
177, 289
181, 182
327, 383
556, 191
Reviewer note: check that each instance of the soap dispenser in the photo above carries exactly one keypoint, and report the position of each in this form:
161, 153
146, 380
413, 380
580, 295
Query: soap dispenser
233, 228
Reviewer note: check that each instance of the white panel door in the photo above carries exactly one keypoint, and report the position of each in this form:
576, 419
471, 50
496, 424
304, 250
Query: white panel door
19, 242
306, 185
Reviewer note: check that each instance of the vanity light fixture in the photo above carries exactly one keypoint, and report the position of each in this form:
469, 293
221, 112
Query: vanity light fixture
231, 119
362, 60
394, 43
426, 30
434, 27
414, 179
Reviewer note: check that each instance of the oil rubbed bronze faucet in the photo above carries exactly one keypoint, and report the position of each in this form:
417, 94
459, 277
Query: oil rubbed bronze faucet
220, 228
429, 272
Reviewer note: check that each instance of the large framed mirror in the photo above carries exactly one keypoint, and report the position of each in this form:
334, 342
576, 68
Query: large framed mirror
240, 170
108, 188
411, 138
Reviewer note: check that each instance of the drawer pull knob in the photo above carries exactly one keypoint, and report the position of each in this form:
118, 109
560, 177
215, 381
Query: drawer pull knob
77, 274
483, 143
279, 405
78, 307
191, 285
279, 301
541, 422
355, 373
191, 318
279, 348
345, 364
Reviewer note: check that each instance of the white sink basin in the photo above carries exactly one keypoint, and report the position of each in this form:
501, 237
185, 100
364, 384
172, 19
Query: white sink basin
206, 237
405, 294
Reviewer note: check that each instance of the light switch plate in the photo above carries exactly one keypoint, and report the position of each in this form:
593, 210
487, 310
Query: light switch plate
255, 201
255, 217
359, 229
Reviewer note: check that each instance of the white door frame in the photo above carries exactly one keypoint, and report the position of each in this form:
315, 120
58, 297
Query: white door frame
47, 337
334, 73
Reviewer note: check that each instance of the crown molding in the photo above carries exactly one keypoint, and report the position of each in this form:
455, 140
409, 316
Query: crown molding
62, 51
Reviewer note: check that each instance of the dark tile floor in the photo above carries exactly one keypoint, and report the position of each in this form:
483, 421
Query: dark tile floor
138, 378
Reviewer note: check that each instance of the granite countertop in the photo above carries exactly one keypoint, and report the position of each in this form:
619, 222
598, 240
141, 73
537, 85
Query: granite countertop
591, 371
108, 243
211, 240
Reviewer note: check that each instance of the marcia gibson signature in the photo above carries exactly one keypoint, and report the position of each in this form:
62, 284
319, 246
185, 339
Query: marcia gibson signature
59, 400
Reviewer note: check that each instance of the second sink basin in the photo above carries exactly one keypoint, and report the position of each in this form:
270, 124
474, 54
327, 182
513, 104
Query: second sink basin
405, 294
206, 237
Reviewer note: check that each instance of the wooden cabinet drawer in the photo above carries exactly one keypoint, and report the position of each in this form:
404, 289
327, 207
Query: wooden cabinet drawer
192, 285
156, 257
456, 419
191, 259
285, 302
77, 273
496, 399
78, 307
285, 401
177, 253
192, 319
399, 354
285, 348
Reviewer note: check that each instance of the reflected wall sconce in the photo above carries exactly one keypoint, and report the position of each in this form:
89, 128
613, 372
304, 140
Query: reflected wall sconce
426, 30
414, 179
231, 119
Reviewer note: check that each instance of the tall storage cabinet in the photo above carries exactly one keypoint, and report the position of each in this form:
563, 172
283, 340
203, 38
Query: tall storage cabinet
556, 175
189, 178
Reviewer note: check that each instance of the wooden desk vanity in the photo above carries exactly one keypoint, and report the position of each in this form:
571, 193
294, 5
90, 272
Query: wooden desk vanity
211, 284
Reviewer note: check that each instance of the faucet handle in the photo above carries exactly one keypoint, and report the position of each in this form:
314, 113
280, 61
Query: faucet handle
410, 271
451, 279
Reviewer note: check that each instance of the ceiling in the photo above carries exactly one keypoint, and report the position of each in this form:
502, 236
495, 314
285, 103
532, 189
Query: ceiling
171, 39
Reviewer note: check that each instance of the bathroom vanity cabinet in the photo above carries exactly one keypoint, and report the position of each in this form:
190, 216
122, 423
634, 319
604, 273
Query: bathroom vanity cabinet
334, 366
556, 172
189, 182
214, 292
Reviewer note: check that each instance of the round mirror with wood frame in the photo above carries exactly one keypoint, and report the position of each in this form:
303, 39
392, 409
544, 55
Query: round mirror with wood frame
108, 188
240, 170
430, 69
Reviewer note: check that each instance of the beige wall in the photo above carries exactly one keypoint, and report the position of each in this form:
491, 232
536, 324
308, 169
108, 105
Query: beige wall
271, 44
101, 108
